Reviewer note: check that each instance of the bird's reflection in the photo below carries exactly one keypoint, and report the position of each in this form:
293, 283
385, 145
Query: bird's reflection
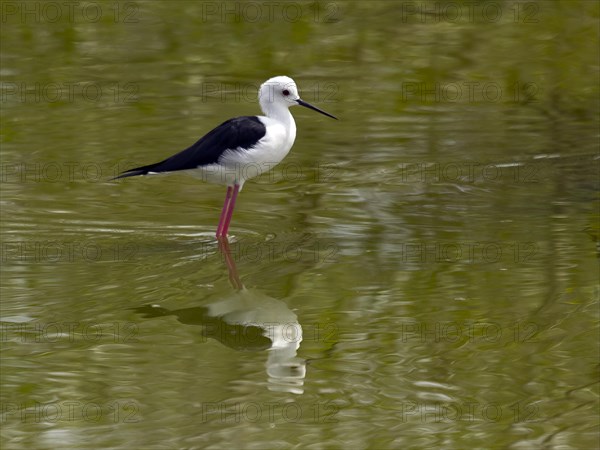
248, 320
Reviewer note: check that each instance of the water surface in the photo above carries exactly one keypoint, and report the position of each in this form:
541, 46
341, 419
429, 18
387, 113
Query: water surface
422, 273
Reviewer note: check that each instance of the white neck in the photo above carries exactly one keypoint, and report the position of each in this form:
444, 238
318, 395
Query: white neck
281, 114
276, 111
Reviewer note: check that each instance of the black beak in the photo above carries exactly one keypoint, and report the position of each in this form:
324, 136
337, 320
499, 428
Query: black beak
314, 108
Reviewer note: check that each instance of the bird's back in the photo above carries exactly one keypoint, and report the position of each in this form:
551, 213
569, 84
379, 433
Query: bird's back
233, 134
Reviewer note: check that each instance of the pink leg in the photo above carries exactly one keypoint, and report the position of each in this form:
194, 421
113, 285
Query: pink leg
236, 189
224, 212
233, 274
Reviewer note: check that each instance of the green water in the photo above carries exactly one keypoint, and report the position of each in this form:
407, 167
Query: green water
422, 273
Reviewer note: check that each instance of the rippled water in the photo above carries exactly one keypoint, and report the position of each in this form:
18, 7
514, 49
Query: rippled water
422, 273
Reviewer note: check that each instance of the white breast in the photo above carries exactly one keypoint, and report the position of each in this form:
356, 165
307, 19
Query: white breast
237, 166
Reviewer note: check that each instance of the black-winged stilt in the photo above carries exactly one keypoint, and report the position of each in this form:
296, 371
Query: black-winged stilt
240, 148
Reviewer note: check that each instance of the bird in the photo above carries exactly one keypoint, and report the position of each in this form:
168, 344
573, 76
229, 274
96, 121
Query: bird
240, 148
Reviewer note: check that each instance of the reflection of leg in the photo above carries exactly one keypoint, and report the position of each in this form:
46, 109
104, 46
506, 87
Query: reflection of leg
233, 274
224, 212
236, 189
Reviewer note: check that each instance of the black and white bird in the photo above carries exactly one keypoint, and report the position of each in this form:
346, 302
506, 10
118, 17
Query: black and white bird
240, 148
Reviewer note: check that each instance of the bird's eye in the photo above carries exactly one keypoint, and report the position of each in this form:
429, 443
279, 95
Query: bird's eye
286, 92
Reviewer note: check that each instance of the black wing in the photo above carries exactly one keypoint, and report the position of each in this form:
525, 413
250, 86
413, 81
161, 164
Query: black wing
242, 132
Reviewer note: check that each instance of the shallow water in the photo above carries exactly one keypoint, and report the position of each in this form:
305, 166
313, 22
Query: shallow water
422, 273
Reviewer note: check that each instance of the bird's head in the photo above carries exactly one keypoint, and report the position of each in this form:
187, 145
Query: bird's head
282, 92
